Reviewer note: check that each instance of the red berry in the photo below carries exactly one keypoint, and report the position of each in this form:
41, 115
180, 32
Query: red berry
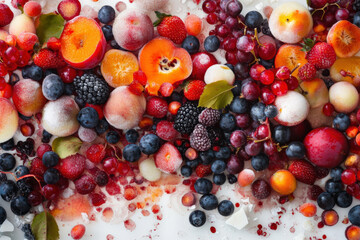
50, 191
166, 89
292, 83
203, 170
157, 107
348, 177
130, 192
32, 9
85, 184
67, 74
136, 88
307, 72
95, 153
166, 131
267, 77
194, 89
37, 168
73, 166
140, 77
328, 109
78, 231
113, 188
174, 107
35, 198
110, 165
314, 191
283, 73
267, 96
6, 15
279, 88
256, 70
97, 199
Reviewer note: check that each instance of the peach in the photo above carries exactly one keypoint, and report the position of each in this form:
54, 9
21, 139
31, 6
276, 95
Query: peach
290, 22
59, 117
316, 92
28, 97
290, 56
83, 44
22, 23
132, 29
344, 97
124, 109
9, 120
346, 69
283, 182
344, 37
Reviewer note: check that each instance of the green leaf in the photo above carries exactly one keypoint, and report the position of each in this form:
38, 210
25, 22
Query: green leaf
216, 95
50, 25
160, 17
66, 146
44, 227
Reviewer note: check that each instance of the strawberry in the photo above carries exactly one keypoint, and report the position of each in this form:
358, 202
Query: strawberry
303, 171
203, 170
166, 131
157, 107
168, 159
47, 58
307, 72
72, 166
194, 89
322, 55
171, 27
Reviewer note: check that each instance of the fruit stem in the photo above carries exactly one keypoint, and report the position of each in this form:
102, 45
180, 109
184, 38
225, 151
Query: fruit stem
257, 38
294, 69
321, 9
256, 59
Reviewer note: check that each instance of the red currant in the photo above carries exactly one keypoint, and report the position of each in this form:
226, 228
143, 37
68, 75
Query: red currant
328, 109
267, 96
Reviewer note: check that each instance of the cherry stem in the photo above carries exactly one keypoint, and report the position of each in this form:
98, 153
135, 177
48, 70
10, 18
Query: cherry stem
294, 69
321, 9
257, 38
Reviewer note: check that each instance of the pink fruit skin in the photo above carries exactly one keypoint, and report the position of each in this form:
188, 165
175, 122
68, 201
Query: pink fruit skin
168, 159
98, 54
201, 62
326, 147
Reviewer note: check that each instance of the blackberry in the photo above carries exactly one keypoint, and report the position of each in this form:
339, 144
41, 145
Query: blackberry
216, 136
209, 117
27, 232
91, 89
187, 117
356, 5
199, 138
24, 187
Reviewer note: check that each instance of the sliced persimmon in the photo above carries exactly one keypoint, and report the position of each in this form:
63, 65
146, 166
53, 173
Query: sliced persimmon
162, 62
290, 56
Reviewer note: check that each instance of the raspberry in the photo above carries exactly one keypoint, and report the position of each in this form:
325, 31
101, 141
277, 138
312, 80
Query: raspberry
157, 107
166, 131
199, 139
307, 72
95, 153
209, 117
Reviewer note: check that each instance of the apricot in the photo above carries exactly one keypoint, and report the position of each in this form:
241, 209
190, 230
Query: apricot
83, 44
344, 37
346, 69
283, 182
22, 23
316, 92
162, 62
9, 120
28, 97
290, 56
124, 110
344, 97
118, 67
290, 22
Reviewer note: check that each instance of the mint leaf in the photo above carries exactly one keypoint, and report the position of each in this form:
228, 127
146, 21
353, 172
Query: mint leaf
44, 227
50, 25
216, 95
66, 146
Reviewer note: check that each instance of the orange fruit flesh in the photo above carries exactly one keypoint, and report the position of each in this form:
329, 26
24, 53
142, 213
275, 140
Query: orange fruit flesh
80, 39
290, 56
118, 67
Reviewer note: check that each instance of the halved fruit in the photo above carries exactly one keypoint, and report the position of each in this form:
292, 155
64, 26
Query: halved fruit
163, 62
290, 56
344, 37
118, 67
346, 69
83, 43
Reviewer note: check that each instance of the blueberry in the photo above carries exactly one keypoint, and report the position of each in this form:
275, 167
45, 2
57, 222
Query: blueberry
207, 157
69, 89
131, 153
197, 218
253, 19
149, 144
191, 44
257, 112
3, 177
112, 137
356, 19
8, 145
20, 206
232, 178
102, 126
218, 166
80, 102
223, 153
193, 163
13, 79
115, 45
260, 162
106, 14
88, 117
50, 159
335, 173
8, 190
186, 171
53, 87
2, 215
131, 136
209, 202
7, 162
326, 201
227, 122
341, 122
219, 179
226, 208
267, 63
203, 186
21, 170
237, 88
240, 105
354, 215
46, 136
33, 72
295, 150
343, 199
333, 187
281, 134
107, 30
51, 176
271, 111
211, 43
